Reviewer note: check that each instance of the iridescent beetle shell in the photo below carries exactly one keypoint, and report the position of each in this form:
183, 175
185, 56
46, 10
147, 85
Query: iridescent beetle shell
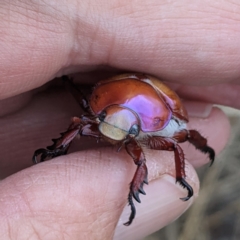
136, 111
135, 99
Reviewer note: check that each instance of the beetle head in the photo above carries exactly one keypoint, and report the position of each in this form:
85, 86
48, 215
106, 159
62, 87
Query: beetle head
116, 123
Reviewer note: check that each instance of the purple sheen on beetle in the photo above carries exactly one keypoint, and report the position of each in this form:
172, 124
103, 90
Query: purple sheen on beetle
153, 113
138, 96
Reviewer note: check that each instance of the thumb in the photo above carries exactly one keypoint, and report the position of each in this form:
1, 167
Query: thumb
82, 195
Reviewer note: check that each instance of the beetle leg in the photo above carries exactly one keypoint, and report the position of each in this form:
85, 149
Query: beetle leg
77, 94
200, 143
61, 145
197, 140
140, 177
180, 171
160, 143
46, 153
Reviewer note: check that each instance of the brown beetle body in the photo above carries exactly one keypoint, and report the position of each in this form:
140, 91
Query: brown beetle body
133, 110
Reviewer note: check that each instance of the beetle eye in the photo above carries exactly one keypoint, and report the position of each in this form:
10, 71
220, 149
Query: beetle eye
134, 130
102, 116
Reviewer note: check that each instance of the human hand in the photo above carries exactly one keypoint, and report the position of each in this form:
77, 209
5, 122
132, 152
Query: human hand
82, 195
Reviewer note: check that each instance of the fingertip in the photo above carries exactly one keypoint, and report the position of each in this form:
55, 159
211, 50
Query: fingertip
159, 207
215, 128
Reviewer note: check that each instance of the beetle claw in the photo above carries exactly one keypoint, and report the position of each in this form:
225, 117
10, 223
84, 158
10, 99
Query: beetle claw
48, 153
44, 154
141, 190
135, 193
133, 210
184, 184
146, 179
36, 153
210, 152
200, 143
136, 196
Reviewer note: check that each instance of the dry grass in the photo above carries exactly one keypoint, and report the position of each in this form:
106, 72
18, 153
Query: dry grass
216, 213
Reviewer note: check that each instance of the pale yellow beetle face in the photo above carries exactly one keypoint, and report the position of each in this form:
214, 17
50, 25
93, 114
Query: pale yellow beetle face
118, 122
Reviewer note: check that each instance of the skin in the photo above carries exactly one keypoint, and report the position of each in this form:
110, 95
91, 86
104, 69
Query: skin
193, 46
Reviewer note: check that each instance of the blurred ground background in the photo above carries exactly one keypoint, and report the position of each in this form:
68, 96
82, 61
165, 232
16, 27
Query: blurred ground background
216, 213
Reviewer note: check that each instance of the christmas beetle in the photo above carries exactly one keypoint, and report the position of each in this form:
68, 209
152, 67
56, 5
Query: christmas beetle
134, 111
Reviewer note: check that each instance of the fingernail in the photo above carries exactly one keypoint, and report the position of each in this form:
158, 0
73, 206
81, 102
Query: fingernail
159, 207
198, 109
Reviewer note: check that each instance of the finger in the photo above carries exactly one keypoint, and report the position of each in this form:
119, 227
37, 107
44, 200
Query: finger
15, 103
176, 49
35, 44
79, 196
85, 192
48, 114
162, 39
215, 128
160, 207
224, 94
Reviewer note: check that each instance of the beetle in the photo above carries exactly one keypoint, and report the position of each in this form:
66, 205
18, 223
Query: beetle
134, 111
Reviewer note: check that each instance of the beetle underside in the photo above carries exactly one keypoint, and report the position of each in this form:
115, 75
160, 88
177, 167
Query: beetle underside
88, 125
